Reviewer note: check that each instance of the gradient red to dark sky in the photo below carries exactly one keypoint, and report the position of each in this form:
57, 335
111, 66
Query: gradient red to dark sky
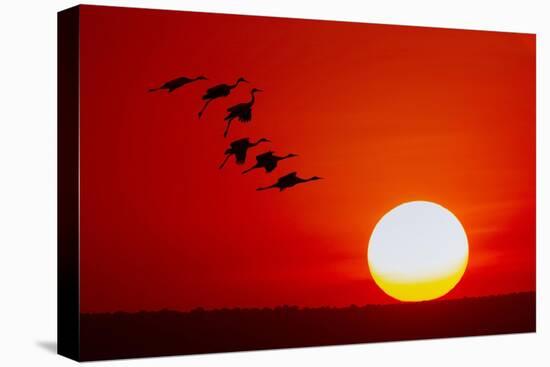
387, 114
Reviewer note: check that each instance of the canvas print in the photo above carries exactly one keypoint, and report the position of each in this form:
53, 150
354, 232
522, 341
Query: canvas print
231, 183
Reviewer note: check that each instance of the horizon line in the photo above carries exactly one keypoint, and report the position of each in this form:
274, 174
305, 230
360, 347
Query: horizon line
297, 307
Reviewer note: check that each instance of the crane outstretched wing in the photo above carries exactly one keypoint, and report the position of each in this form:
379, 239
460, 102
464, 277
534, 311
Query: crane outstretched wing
240, 144
180, 81
264, 157
240, 156
267, 161
245, 116
237, 108
220, 90
270, 166
288, 178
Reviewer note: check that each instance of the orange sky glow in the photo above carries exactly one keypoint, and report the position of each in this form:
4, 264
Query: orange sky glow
386, 114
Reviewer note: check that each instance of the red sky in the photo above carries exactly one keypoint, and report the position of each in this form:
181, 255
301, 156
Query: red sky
387, 114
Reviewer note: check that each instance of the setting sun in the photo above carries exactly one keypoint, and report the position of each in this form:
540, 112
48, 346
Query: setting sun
418, 251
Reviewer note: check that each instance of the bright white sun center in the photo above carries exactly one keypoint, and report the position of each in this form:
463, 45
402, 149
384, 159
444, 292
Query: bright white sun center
418, 251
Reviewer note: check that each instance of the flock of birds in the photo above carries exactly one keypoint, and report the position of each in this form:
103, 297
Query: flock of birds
242, 112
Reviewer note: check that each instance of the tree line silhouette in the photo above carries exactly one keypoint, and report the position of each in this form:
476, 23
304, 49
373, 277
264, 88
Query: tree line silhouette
242, 112
166, 332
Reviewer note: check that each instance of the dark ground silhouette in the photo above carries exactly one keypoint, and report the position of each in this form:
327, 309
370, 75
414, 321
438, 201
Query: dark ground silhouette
127, 335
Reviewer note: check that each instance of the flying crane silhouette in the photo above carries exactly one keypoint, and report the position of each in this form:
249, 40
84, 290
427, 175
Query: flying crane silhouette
177, 83
241, 111
239, 148
268, 161
219, 91
287, 181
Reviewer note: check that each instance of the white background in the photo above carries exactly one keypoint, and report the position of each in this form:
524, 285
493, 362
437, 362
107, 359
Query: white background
28, 182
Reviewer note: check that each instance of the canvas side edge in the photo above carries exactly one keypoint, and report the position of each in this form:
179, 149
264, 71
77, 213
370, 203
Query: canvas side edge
68, 313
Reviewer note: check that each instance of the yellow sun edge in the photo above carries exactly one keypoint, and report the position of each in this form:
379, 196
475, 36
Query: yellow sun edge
420, 290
